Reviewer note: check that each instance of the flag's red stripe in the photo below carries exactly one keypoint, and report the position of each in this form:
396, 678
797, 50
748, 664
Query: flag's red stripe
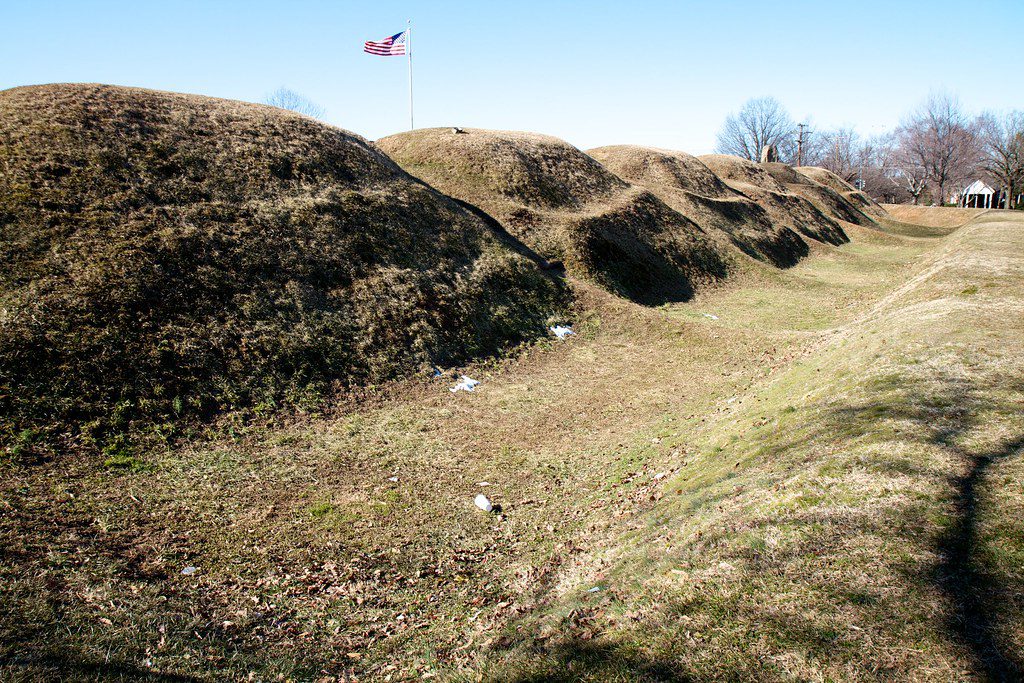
385, 48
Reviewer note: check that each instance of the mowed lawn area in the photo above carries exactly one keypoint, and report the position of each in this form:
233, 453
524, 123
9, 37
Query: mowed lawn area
811, 474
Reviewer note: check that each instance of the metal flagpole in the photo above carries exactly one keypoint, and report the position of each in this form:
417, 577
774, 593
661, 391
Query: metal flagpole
408, 52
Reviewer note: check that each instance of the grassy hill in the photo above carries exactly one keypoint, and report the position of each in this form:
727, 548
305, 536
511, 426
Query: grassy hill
164, 255
795, 211
940, 217
801, 473
820, 482
567, 207
829, 179
688, 186
822, 195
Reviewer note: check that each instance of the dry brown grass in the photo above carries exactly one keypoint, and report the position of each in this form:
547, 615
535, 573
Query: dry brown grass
800, 474
567, 207
797, 533
833, 203
684, 183
166, 255
933, 216
857, 198
783, 206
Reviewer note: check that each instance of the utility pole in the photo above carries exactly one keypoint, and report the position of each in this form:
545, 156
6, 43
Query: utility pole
800, 144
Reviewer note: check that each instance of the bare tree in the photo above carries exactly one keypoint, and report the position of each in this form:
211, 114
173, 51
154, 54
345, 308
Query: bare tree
283, 98
841, 151
1002, 151
875, 163
907, 172
939, 141
909, 177
762, 121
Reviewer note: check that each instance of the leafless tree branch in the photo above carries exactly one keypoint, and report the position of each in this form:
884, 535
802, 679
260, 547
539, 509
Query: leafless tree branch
283, 98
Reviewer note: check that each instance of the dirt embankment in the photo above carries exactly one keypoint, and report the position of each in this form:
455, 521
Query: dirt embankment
828, 200
932, 216
785, 207
165, 254
568, 207
854, 196
687, 185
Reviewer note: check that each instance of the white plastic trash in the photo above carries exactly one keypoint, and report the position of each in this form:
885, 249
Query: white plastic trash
465, 384
481, 502
709, 315
189, 571
561, 331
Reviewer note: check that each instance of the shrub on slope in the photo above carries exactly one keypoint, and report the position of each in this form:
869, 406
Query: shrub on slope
785, 208
164, 253
567, 207
684, 183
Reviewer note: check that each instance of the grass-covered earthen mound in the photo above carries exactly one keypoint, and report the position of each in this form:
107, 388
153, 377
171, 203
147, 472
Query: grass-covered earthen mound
687, 185
164, 254
828, 200
927, 221
567, 207
857, 198
785, 207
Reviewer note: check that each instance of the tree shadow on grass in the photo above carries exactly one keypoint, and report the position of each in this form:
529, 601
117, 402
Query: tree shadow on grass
970, 590
945, 412
589, 660
69, 666
946, 418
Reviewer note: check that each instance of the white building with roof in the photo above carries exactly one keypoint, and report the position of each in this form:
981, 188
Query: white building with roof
979, 195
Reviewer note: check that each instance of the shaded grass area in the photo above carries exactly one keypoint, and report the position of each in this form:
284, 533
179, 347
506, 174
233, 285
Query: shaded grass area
755, 496
973, 591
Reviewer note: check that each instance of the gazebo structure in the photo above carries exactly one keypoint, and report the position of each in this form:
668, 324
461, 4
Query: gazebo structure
978, 195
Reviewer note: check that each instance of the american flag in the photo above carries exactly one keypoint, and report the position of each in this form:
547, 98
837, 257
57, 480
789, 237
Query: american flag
393, 45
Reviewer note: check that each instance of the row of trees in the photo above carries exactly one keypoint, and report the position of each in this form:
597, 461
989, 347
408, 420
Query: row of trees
935, 152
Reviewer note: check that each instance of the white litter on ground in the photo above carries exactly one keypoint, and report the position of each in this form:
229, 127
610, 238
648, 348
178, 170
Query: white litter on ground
481, 502
392, 478
483, 483
561, 331
189, 571
708, 315
595, 589
465, 384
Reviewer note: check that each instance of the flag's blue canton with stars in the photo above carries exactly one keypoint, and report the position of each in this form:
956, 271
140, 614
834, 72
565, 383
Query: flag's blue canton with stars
392, 46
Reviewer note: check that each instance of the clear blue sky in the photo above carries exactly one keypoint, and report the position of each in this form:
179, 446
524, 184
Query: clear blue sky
594, 73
